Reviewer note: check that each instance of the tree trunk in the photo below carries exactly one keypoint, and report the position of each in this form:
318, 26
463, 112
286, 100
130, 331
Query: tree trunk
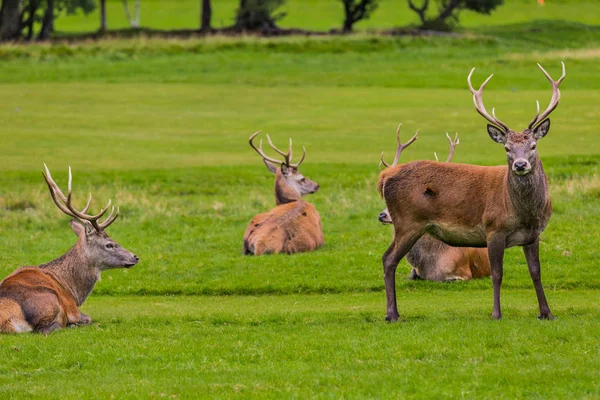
103, 25
447, 12
206, 16
10, 20
349, 17
48, 22
33, 5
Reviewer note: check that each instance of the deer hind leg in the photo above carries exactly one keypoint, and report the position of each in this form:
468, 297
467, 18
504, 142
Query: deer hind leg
532, 255
12, 319
403, 242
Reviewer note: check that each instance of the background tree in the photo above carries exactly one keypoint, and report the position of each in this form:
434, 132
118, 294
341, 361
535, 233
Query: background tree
205, 16
135, 21
10, 20
103, 19
356, 10
448, 11
258, 14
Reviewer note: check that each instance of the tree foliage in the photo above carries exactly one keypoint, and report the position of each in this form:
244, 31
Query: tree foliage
31, 13
258, 14
356, 10
449, 10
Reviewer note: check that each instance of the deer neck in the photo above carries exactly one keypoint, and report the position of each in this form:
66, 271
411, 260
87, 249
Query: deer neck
529, 194
75, 272
284, 193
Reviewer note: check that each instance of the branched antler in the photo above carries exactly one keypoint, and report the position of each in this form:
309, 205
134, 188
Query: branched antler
478, 101
399, 149
453, 144
64, 204
553, 100
286, 156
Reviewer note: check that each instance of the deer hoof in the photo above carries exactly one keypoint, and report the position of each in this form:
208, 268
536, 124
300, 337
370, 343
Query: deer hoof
84, 320
392, 318
496, 315
548, 316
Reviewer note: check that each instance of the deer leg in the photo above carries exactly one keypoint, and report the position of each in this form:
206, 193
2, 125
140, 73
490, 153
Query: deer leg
496, 245
48, 329
414, 276
532, 255
397, 250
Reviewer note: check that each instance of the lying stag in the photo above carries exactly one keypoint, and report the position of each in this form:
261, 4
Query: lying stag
475, 206
432, 259
46, 298
294, 225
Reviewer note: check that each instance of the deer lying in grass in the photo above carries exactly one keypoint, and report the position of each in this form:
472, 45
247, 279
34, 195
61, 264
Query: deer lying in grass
294, 225
46, 298
432, 259
475, 206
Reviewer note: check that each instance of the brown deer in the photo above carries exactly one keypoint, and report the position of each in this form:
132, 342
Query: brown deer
475, 206
46, 298
294, 225
432, 259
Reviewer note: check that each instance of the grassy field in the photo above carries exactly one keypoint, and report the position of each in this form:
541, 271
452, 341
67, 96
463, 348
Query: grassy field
161, 127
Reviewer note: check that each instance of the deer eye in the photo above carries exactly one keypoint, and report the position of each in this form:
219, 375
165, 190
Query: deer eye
303, 180
533, 146
109, 246
506, 148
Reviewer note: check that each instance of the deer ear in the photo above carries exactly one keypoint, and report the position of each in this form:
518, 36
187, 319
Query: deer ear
270, 166
285, 169
77, 228
496, 134
542, 129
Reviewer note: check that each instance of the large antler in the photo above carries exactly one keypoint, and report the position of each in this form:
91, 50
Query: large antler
64, 204
553, 100
478, 101
399, 149
286, 156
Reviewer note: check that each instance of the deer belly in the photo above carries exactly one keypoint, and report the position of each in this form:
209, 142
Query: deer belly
458, 236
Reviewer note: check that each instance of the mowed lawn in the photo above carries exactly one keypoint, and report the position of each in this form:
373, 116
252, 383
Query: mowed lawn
161, 128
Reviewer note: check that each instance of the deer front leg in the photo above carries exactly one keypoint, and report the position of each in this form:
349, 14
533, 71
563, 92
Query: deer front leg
532, 255
397, 250
496, 245
84, 319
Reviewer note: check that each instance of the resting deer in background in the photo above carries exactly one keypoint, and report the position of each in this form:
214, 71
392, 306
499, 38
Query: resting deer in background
475, 206
46, 298
432, 259
294, 225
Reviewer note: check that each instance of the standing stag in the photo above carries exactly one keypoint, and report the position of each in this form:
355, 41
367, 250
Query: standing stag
46, 298
475, 206
432, 259
294, 225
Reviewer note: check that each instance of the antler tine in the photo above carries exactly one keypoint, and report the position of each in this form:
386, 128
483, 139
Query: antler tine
302, 159
51, 184
80, 214
453, 144
553, 100
286, 156
260, 151
110, 219
382, 161
537, 114
478, 102
87, 206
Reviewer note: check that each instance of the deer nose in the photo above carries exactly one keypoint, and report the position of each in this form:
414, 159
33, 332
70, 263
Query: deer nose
382, 216
521, 165
136, 258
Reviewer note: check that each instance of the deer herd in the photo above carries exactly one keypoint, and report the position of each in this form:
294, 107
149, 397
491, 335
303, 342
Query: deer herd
451, 222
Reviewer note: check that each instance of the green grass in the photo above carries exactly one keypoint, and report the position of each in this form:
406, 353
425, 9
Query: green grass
322, 346
161, 127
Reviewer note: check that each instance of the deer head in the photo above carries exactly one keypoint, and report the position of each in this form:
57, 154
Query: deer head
521, 147
101, 251
288, 179
384, 216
